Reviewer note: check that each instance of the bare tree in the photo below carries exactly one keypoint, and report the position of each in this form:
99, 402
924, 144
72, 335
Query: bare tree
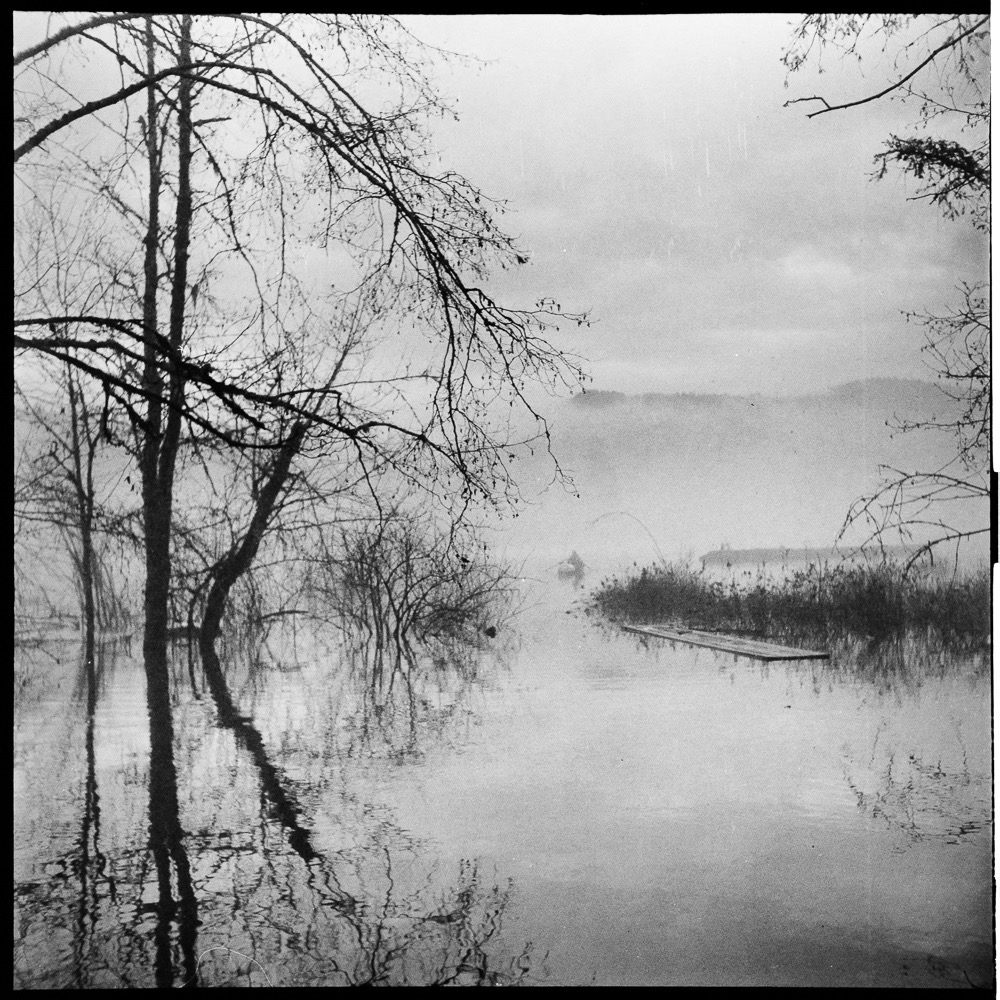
222, 150
66, 493
940, 63
231, 176
64, 484
65, 431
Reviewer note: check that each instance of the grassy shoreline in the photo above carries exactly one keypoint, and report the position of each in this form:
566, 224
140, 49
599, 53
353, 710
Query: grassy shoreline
812, 608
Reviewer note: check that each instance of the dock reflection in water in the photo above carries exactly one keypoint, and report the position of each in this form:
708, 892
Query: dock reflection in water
586, 807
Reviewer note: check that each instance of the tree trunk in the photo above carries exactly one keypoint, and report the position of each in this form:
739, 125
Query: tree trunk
241, 556
159, 440
224, 575
154, 632
162, 435
81, 437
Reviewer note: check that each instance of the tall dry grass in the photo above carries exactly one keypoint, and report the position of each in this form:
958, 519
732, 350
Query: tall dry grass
847, 607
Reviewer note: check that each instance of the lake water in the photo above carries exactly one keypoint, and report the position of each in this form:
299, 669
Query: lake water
570, 805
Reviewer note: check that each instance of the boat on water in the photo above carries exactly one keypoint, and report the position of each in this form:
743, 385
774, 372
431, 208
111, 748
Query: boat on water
572, 568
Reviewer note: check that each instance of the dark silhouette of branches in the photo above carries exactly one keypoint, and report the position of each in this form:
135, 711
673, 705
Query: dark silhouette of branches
198, 117
226, 191
822, 29
941, 62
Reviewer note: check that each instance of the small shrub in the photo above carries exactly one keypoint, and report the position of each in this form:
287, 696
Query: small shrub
407, 582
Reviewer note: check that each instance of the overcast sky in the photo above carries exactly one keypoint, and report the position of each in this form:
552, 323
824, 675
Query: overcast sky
721, 241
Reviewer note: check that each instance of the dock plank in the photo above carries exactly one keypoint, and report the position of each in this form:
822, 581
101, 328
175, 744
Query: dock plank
729, 643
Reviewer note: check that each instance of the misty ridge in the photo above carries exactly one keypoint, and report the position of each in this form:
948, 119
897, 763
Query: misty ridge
853, 425
357, 643
700, 471
896, 396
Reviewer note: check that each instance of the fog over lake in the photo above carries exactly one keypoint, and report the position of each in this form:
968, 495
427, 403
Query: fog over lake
673, 476
440, 545
569, 804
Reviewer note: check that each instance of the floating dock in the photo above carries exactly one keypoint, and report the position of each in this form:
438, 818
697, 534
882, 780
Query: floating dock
729, 643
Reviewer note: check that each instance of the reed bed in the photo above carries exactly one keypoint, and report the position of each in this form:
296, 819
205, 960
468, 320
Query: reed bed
846, 608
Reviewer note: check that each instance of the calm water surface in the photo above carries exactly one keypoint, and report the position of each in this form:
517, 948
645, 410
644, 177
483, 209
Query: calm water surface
572, 805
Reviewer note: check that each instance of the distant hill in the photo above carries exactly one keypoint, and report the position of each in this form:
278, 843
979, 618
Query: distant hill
694, 470
900, 395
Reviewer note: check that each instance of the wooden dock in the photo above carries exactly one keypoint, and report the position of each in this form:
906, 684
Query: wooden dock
729, 643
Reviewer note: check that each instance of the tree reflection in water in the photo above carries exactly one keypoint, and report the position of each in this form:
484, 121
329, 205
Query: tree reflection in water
919, 784
221, 894
934, 792
926, 785
90, 856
